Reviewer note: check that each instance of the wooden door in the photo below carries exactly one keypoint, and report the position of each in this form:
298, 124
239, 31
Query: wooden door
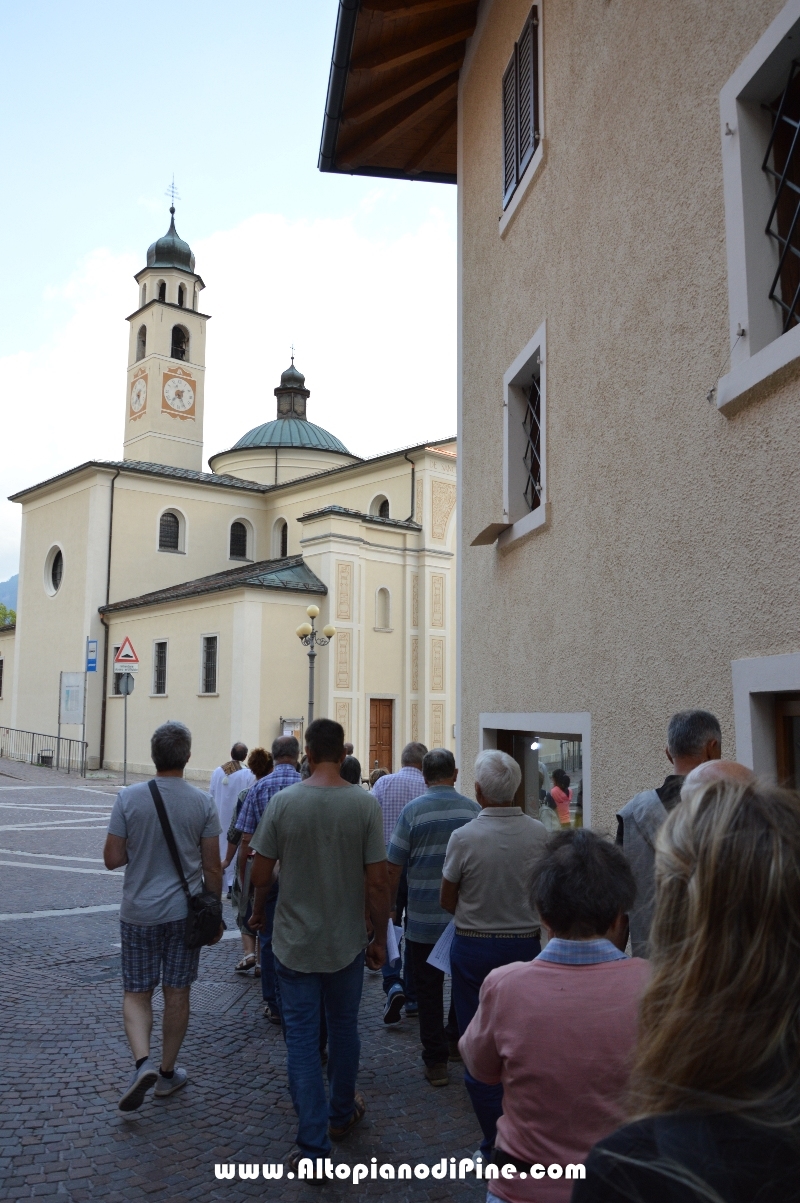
381, 714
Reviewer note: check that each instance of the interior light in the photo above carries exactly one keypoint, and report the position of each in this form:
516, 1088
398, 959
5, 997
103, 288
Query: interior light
535, 745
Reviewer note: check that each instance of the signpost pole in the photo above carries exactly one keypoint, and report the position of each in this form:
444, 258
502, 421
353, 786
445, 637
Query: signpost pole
125, 742
58, 740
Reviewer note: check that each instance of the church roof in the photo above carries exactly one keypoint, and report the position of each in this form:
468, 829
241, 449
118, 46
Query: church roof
171, 250
291, 432
290, 575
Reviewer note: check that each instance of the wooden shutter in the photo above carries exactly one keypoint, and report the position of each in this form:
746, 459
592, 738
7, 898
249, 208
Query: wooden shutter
527, 92
510, 129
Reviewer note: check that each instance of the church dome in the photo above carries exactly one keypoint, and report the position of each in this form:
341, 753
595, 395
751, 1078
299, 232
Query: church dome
171, 251
291, 432
291, 378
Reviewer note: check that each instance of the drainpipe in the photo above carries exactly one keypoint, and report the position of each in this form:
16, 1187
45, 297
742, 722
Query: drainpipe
410, 517
105, 625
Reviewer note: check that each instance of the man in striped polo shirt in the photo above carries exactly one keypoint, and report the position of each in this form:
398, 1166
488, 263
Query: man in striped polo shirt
419, 841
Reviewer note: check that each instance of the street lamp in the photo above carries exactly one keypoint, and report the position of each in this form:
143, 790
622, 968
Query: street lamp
308, 635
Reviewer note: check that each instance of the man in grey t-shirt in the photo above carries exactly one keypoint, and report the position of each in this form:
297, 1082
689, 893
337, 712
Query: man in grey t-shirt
328, 837
154, 906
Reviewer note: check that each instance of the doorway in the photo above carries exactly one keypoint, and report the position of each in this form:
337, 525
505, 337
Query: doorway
787, 739
381, 726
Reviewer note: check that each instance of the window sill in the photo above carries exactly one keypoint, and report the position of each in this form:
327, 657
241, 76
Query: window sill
531, 171
158, 695
206, 695
384, 630
241, 559
537, 520
733, 389
171, 551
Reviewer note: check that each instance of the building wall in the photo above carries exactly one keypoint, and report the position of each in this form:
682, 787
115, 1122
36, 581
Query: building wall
670, 550
7, 649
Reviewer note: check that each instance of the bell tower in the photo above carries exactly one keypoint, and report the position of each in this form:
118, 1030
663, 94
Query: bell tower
166, 359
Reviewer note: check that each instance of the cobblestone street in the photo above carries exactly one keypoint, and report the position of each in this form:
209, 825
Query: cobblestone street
65, 1058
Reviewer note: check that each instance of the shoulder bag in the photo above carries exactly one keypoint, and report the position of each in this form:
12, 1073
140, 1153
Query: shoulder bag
205, 910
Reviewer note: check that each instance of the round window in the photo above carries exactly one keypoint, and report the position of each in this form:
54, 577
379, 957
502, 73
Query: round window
53, 570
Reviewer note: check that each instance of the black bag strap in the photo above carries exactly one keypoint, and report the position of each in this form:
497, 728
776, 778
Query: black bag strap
163, 819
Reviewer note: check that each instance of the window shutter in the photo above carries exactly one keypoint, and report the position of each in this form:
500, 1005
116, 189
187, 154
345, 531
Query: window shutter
527, 91
510, 129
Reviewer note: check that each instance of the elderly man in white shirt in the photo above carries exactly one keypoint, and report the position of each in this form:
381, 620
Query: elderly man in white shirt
227, 782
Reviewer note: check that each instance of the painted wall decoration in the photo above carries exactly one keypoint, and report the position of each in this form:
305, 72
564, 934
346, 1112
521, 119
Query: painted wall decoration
443, 500
437, 665
415, 599
437, 600
138, 397
344, 590
343, 659
414, 663
437, 724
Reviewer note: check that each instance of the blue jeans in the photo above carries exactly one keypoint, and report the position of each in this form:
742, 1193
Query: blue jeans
471, 959
269, 986
301, 995
400, 972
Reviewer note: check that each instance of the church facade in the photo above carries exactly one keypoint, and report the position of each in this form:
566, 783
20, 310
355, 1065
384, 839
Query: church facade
209, 573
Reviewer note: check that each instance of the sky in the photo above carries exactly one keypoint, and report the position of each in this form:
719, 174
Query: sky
101, 105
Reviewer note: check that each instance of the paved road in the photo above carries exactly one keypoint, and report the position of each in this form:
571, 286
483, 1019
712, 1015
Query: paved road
65, 1058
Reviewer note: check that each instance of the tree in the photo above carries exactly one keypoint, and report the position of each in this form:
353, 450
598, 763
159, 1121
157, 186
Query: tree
7, 617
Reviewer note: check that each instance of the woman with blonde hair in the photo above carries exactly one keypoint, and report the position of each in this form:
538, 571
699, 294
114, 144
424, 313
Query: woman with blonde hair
715, 1088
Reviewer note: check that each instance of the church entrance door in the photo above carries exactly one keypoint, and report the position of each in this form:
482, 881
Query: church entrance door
381, 715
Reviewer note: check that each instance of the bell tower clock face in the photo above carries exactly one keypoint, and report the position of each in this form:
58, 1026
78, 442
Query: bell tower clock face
178, 396
138, 397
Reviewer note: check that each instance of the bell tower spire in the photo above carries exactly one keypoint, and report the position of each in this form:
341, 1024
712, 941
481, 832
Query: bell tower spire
166, 358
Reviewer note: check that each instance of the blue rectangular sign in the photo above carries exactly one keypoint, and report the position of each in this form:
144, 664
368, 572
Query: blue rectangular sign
91, 655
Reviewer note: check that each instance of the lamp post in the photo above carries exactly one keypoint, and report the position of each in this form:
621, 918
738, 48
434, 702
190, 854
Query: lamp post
310, 638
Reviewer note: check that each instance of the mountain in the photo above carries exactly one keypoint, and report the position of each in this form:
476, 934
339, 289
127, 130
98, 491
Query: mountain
8, 592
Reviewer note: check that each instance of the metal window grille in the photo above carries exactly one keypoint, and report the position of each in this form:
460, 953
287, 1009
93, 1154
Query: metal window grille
57, 571
160, 668
532, 455
209, 664
169, 532
115, 689
520, 94
238, 548
284, 541
782, 165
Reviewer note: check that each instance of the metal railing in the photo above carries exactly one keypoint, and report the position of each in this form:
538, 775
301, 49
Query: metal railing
49, 751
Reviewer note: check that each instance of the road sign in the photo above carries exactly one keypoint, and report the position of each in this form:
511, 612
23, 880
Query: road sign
126, 660
126, 684
91, 655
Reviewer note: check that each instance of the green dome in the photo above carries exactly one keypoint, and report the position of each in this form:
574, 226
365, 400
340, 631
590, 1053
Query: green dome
171, 251
291, 432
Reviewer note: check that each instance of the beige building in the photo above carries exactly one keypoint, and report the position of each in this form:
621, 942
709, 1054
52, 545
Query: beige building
629, 361
209, 574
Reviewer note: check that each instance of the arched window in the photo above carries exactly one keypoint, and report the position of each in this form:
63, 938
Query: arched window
238, 541
280, 539
180, 343
162, 291
169, 532
379, 506
383, 509
383, 609
194, 298
144, 294
181, 296
141, 342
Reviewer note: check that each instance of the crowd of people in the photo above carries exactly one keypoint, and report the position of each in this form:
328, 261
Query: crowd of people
628, 1009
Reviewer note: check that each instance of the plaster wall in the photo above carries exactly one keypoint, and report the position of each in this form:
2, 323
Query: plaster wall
669, 549
275, 465
7, 650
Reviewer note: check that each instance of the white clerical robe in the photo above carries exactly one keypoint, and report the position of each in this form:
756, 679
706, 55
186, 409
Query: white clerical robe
225, 789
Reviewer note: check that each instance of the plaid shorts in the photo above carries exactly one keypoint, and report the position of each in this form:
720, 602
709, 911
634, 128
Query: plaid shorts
145, 950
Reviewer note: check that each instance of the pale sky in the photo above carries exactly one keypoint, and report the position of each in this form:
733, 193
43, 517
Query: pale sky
101, 104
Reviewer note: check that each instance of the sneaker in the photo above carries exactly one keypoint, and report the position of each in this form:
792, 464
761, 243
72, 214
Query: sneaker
437, 1075
452, 1051
141, 1081
272, 1016
165, 1086
412, 1010
394, 1004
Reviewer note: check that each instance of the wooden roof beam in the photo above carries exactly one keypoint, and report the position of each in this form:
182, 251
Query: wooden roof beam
394, 10
397, 122
421, 45
420, 75
417, 162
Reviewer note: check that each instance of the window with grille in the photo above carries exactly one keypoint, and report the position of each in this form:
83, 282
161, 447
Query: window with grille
284, 541
180, 343
782, 164
169, 532
115, 687
525, 502
532, 455
521, 106
238, 542
209, 664
160, 667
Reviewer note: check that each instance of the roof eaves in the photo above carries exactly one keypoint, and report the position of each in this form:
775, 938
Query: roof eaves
339, 511
140, 468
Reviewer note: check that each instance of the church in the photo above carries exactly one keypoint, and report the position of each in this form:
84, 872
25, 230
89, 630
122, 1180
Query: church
208, 574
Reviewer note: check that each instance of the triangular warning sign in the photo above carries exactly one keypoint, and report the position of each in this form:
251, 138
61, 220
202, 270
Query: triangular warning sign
126, 655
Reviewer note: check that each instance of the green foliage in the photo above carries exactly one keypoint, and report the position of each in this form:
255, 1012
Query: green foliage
7, 617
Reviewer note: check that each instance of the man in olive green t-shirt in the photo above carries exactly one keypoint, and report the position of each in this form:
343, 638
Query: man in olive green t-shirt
328, 837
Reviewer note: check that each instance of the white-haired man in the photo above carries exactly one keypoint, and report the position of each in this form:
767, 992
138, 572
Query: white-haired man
487, 883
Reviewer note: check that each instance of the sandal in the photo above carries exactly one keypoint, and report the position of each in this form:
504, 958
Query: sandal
246, 964
359, 1111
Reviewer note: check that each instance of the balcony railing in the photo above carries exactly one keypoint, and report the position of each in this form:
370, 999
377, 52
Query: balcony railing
49, 751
